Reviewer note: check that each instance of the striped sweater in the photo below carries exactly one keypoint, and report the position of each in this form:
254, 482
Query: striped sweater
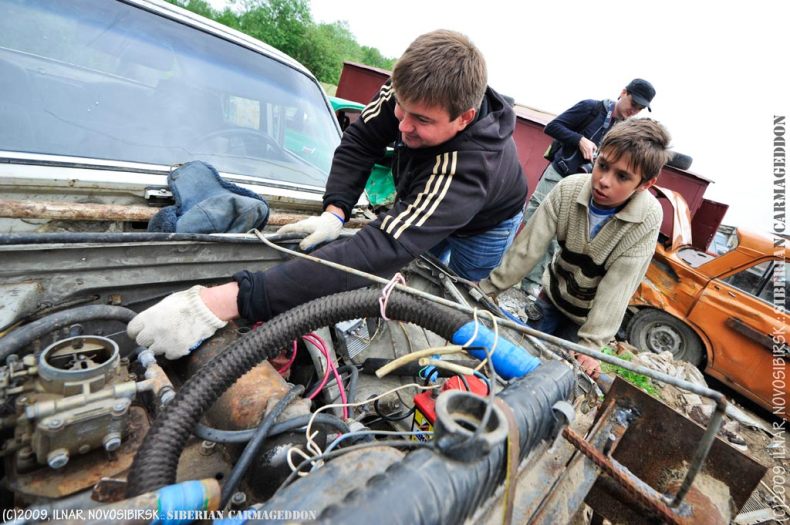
589, 281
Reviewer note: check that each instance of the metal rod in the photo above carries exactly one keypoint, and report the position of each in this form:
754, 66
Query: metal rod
702, 451
574, 347
451, 288
635, 487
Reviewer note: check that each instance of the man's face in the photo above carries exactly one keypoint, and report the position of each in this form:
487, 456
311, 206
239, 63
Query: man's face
423, 126
626, 106
613, 183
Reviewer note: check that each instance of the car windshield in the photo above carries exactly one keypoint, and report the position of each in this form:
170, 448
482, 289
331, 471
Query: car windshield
107, 80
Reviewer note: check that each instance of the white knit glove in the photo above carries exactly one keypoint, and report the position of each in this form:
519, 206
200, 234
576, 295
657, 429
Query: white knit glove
176, 325
324, 228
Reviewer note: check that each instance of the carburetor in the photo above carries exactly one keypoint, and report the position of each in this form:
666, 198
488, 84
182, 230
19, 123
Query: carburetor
73, 398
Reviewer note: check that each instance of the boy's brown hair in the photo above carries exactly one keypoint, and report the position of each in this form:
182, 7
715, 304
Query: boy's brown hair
442, 68
645, 140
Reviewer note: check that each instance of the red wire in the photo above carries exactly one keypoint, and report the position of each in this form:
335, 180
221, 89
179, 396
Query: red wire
319, 343
287, 365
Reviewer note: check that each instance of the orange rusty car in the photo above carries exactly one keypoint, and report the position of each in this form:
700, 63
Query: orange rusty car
724, 310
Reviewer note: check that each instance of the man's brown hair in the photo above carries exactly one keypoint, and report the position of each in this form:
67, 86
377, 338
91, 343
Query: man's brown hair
645, 140
441, 68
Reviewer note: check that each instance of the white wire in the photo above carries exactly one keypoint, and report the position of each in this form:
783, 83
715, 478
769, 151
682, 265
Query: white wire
474, 336
313, 447
289, 458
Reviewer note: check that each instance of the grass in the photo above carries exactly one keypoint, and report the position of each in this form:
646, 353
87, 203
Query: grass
638, 380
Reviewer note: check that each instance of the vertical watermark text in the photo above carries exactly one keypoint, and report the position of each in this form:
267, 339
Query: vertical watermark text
779, 352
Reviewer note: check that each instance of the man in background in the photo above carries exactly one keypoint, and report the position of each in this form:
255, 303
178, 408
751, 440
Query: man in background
577, 132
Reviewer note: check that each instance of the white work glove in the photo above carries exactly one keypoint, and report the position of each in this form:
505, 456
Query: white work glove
176, 325
324, 228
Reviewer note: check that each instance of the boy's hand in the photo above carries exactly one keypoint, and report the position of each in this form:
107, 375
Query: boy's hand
590, 365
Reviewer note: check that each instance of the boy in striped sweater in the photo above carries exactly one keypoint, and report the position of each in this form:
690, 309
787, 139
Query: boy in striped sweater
606, 224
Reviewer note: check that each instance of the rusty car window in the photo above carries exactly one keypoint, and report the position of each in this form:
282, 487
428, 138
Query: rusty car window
754, 280
772, 292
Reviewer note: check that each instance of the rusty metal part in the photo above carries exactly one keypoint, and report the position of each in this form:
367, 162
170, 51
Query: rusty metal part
83, 211
244, 403
74, 211
555, 480
109, 490
513, 445
193, 464
84, 471
706, 512
702, 451
634, 487
673, 440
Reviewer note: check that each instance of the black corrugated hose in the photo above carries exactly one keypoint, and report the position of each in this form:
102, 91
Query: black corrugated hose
19, 338
431, 488
156, 460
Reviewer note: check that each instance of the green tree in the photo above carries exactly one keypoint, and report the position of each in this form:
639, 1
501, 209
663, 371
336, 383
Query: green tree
288, 26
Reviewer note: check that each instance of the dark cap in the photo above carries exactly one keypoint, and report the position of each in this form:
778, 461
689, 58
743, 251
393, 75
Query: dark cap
641, 91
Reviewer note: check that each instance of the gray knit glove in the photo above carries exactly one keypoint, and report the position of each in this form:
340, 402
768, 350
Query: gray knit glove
176, 325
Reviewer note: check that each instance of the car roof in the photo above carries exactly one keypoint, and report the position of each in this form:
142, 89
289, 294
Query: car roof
202, 23
762, 243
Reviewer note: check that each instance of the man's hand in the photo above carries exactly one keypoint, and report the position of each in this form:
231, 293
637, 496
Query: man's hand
324, 228
176, 325
587, 147
590, 365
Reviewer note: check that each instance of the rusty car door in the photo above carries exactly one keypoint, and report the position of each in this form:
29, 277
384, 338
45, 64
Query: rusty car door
738, 314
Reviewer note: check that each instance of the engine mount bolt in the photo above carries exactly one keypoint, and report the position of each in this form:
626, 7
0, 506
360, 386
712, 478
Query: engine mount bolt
58, 458
238, 500
207, 448
120, 406
112, 441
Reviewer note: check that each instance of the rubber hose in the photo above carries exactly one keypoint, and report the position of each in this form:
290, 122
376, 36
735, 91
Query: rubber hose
156, 461
429, 487
18, 339
242, 436
254, 445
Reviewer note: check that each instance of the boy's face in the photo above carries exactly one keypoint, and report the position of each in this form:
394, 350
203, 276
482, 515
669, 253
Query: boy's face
423, 126
613, 183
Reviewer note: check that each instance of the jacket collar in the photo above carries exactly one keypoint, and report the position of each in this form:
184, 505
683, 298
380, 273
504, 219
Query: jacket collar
635, 210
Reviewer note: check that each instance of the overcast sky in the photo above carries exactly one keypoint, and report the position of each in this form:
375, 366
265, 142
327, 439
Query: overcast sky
720, 69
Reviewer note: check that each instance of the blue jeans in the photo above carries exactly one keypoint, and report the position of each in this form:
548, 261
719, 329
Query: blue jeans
474, 257
548, 180
554, 322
